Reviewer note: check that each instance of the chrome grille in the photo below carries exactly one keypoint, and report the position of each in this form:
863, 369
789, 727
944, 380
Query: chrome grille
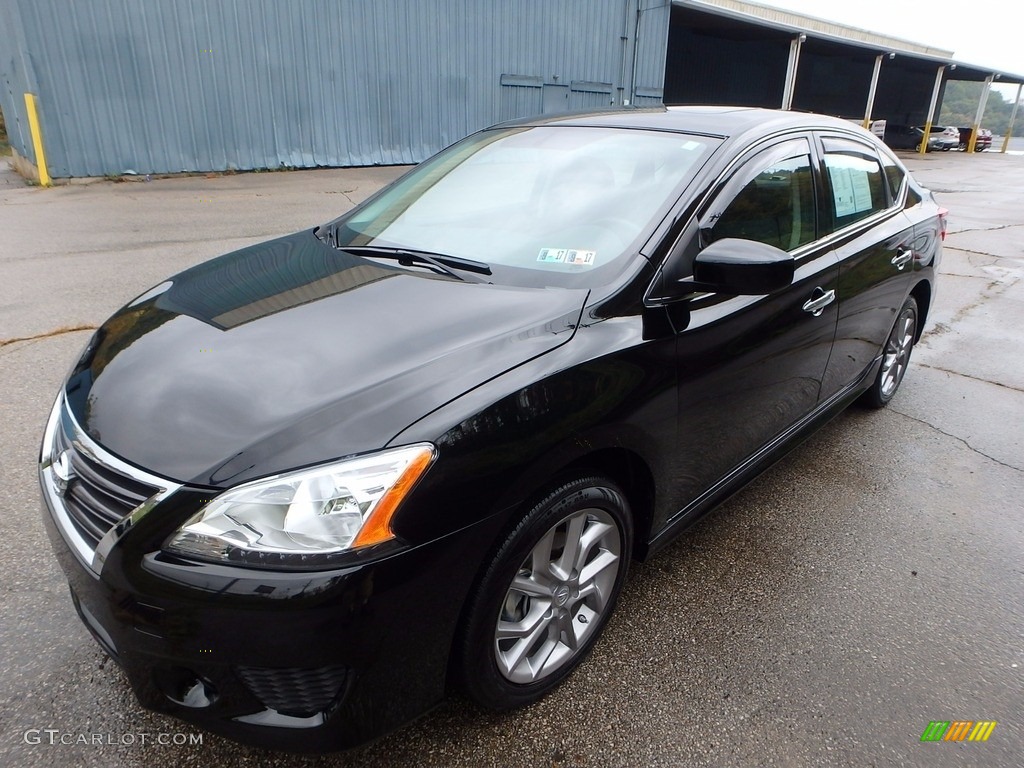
97, 497
94, 491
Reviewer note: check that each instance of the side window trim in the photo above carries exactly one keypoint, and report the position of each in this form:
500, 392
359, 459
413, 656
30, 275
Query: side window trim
828, 143
747, 168
880, 153
741, 172
725, 184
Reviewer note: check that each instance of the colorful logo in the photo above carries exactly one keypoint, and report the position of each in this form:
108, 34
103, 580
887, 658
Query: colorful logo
958, 730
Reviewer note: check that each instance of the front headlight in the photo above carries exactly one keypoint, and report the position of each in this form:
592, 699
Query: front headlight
298, 517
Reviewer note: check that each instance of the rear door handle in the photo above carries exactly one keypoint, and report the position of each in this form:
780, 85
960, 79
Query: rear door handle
820, 299
902, 258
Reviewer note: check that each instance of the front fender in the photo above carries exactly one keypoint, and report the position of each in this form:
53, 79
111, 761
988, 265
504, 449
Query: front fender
501, 442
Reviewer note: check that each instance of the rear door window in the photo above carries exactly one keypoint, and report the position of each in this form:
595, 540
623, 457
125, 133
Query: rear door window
857, 187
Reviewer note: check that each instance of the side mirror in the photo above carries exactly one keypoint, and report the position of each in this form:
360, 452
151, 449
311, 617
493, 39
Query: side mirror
741, 267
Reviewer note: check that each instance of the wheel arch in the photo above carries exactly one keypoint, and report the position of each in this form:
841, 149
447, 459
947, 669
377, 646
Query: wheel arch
631, 473
623, 466
922, 293
612, 466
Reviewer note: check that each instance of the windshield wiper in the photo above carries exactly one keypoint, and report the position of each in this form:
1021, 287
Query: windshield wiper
446, 264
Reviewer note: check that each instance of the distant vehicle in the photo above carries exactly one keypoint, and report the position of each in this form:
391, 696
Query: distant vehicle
909, 137
950, 137
983, 142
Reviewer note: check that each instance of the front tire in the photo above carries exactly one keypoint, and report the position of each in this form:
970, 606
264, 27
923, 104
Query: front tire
895, 357
547, 595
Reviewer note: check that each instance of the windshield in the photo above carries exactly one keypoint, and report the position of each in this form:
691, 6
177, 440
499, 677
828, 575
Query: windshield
549, 205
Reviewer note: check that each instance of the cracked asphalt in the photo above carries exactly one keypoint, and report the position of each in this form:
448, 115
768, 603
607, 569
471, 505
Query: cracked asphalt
869, 583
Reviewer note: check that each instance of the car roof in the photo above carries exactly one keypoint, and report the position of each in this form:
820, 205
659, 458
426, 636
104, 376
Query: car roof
723, 122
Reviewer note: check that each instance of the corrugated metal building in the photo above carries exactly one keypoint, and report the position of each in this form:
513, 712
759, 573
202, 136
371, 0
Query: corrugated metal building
163, 86
193, 85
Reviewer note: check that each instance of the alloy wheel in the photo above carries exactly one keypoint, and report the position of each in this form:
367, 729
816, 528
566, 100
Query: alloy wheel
896, 357
558, 596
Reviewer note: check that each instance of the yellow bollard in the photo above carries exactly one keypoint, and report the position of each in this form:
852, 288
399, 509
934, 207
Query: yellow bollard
924, 139
37, 139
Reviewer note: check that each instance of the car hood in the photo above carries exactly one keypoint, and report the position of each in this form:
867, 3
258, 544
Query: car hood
290, 353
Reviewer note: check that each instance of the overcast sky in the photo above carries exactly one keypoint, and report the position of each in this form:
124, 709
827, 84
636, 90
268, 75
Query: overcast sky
992, 37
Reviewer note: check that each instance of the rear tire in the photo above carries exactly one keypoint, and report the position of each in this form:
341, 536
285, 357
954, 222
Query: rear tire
547, 595
895, 357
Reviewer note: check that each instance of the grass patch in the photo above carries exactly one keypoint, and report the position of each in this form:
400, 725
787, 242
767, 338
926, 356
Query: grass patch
5, 147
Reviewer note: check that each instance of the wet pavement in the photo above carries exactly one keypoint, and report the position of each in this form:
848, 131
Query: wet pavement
869, 583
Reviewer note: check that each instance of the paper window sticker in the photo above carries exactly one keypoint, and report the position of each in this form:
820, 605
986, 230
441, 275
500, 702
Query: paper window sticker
861, 191
842, 191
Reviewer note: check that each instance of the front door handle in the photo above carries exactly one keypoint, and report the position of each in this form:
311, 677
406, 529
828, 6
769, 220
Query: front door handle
818, 301
902, 258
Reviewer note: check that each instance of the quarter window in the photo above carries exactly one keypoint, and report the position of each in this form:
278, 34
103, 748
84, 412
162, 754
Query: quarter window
894, 174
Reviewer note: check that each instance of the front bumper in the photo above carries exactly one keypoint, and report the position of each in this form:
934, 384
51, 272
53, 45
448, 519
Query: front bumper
301, 661
295, 661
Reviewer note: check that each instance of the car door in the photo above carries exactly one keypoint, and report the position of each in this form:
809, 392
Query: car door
749, 367
873, 243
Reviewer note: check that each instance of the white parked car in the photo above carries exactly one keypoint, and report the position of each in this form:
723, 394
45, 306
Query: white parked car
948, 138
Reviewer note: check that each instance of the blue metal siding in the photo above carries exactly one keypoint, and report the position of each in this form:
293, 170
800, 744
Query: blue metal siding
13, 78
652, 45
182, 85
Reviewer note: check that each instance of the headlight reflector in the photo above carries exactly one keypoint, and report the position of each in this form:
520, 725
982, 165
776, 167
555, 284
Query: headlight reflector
318, 511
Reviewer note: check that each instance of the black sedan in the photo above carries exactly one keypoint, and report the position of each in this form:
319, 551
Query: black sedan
909, 137
302, 490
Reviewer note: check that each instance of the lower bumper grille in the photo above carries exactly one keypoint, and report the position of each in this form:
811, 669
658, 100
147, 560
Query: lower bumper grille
295, 692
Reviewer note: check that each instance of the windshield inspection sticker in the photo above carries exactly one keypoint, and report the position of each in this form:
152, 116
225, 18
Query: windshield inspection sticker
567, 256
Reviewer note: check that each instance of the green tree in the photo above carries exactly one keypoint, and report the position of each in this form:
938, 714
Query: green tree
960, 104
